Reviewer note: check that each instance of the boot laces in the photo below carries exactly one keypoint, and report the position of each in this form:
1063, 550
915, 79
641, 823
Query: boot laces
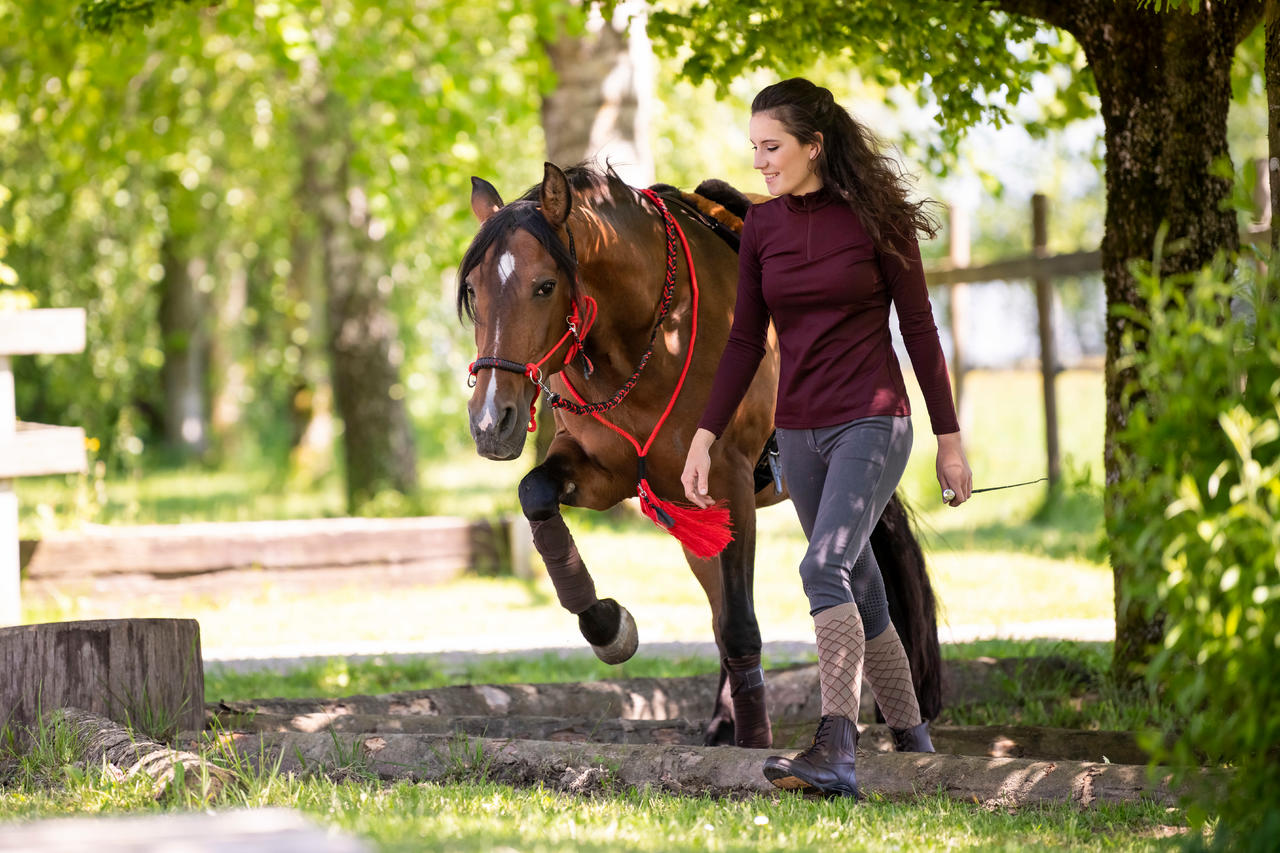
821, 736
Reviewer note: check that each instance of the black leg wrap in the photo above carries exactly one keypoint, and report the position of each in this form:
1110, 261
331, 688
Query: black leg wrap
750, 712
574, 587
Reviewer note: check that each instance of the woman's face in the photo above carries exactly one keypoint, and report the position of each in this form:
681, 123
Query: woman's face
781, 158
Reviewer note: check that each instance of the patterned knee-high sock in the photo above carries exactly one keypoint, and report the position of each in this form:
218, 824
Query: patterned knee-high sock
841, 644
889, 674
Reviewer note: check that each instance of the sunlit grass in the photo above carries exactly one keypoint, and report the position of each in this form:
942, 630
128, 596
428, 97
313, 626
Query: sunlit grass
484, 816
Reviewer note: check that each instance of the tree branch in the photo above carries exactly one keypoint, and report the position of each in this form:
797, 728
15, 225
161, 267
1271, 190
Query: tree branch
1066, 15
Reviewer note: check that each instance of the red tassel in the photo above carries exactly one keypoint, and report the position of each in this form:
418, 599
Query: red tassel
705, 532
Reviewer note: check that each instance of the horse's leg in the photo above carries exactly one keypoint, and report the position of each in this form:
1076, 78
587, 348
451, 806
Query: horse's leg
605, 624
719, 730
739, 631
912, 606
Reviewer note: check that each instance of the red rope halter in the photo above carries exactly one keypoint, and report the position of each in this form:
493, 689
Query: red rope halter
705, 532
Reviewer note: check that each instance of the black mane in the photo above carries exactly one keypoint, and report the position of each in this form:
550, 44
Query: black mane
525, 214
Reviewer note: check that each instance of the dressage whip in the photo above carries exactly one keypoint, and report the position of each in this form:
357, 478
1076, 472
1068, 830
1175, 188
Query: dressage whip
948, 495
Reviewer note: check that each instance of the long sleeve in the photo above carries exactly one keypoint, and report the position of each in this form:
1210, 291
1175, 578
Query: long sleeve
746, 345
904, 276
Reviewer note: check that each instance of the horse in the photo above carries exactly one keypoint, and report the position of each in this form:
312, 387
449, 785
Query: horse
579, 289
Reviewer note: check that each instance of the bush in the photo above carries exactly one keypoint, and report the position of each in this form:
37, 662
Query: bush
1198, 511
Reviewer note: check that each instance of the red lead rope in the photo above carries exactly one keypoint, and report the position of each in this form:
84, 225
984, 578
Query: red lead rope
705, 532
688, 356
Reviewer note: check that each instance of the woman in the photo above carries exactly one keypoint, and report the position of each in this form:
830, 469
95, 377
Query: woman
824, 259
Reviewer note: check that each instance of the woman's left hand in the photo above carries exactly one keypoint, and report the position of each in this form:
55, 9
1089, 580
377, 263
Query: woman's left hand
953, 468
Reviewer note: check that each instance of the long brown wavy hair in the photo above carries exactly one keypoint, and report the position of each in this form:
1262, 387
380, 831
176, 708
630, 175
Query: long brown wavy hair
850, 161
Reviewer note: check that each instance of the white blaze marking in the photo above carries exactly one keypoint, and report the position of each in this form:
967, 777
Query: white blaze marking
506, 266
489, 414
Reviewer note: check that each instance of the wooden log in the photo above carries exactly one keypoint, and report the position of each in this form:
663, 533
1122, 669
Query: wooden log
134, 754
147, 673
991, 741
242, 830
1040, 742
715, 771
631, 698
568, 730
793, 695
170, 550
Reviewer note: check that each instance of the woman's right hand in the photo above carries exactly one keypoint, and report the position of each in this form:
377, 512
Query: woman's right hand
697, 468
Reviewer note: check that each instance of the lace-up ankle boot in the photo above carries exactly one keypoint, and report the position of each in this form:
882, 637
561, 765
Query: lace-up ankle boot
914, 739
826, 766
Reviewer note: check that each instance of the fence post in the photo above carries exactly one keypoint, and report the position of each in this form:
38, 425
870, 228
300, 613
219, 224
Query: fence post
10, 579
1048, 355
958, 306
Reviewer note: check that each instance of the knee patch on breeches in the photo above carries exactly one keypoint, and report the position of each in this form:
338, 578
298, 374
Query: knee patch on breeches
569, 575
828, 585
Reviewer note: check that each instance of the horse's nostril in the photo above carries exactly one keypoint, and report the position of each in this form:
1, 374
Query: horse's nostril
507, 421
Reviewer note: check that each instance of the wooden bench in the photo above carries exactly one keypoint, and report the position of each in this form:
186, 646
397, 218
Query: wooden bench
29, 449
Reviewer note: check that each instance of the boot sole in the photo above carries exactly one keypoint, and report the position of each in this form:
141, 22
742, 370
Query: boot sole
790, 782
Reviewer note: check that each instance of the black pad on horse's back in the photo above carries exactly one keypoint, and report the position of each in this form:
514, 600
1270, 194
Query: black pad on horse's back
724, 193
721, 211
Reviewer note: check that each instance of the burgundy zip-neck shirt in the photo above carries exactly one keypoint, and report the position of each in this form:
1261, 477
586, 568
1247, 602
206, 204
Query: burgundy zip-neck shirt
807, 262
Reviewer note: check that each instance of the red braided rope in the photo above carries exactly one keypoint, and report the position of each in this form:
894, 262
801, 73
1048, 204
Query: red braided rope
668, 289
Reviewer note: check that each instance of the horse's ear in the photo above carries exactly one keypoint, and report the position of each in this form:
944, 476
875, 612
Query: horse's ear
556, 200
485, 201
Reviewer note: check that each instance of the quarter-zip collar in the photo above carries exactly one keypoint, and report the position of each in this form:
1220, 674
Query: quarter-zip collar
809, 202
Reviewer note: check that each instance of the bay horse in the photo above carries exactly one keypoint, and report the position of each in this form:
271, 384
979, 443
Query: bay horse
572, 286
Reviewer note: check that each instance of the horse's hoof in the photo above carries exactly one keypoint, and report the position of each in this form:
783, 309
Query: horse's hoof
624, 645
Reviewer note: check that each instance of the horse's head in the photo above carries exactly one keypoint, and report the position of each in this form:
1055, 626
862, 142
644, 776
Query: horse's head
517, 284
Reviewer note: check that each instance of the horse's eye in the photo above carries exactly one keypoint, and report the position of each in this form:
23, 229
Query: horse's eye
545, 288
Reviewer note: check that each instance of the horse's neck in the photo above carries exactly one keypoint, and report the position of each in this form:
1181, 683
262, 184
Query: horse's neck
623, 268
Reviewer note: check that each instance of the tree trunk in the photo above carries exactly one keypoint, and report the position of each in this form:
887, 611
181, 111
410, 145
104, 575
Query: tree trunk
599, 110
1271, 65
185, 341
1164, 84
145, 673
600, 106
311, 398
227, 355
364, 352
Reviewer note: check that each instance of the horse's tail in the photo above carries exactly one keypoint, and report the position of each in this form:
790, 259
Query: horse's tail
912, 605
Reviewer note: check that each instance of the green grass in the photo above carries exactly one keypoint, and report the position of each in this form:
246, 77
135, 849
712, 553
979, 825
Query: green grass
483, 816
